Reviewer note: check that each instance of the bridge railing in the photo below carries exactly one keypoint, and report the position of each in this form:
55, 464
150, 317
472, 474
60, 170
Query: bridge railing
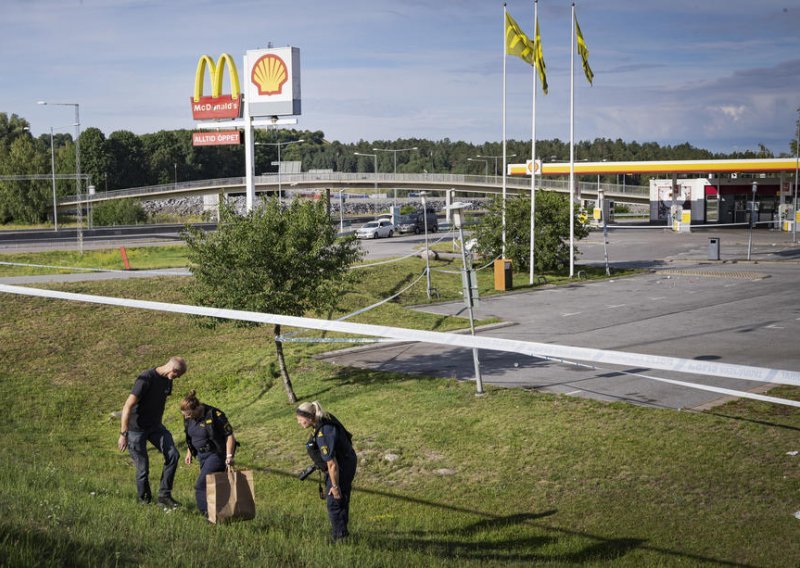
385, 180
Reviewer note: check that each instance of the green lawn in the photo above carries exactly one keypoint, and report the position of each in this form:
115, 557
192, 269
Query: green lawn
511, 478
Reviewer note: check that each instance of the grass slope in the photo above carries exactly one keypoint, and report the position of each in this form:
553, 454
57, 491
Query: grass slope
511, 478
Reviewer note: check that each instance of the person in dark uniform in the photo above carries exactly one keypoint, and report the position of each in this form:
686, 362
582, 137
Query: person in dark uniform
141, 423
209, 437
331, 450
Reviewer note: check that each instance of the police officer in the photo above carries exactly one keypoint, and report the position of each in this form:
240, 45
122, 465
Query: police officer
209, 437
141, 423
331, 450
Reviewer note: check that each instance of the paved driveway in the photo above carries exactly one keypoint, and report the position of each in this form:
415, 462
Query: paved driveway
744, 313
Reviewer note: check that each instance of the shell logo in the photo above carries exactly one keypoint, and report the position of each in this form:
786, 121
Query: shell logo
269, 75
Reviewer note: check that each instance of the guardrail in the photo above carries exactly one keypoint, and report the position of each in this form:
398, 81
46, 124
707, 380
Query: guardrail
409, 182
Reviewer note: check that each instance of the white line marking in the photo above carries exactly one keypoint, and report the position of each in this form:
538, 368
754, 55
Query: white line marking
570, 314
615, 306
573, 392
773, 326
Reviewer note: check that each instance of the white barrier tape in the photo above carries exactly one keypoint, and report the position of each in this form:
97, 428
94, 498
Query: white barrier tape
720, 390
85, 269
542, 350
697, 386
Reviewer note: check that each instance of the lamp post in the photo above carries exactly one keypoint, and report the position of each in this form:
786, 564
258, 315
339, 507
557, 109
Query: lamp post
341, 211
796, 165
77, 166
457, 211
393, 151
423, 195
279, 145
176, 174
53, 172
375, 157
752, 220
495, 158
485, 165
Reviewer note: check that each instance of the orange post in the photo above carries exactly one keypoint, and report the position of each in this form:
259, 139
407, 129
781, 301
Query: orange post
125, 258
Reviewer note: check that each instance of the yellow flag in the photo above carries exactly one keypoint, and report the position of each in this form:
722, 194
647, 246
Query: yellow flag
584, 52
517, 43
538, 59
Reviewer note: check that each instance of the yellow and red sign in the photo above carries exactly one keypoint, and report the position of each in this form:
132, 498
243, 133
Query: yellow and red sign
269, 74
216, 138
218, 105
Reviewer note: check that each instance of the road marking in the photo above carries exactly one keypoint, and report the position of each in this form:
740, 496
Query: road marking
773, 326
571, 314
573, 392
611, 306
661, 298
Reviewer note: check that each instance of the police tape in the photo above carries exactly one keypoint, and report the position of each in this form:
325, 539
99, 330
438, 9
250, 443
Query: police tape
541, 350
154, 272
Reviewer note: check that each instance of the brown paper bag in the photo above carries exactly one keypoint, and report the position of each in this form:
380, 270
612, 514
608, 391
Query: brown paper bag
230, 495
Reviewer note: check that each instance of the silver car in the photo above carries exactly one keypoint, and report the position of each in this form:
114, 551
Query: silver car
375, 229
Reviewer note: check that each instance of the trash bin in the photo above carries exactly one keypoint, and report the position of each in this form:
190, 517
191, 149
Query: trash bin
713, 248
502, 274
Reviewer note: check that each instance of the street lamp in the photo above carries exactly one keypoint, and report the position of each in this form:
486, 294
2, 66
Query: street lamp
485, 165
53, 173
341, 211
393, 151
77, 165
495, 158
423, 195
796, 167
375, 156
279, 145
457, 211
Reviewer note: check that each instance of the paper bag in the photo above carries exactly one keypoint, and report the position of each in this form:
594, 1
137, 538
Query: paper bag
230, 496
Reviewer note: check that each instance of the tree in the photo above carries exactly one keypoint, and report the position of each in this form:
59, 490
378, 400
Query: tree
287, 262
552, 231
24, 201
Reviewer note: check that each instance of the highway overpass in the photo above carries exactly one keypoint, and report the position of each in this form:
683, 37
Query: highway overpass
364, 183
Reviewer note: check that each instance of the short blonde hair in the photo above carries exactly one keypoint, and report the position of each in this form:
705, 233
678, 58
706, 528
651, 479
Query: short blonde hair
177, 364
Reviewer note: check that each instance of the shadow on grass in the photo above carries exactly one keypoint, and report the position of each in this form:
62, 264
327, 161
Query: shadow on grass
454, 543
58, 549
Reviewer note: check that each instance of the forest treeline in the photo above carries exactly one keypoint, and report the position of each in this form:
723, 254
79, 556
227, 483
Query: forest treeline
123, 159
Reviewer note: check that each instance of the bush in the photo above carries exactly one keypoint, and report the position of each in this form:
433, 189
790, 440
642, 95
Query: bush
119, 212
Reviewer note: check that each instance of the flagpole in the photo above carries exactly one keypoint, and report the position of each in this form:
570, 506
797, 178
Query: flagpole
503, 215
533, 152
572, 147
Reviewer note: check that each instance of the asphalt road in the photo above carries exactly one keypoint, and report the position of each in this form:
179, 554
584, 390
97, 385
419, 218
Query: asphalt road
732, 311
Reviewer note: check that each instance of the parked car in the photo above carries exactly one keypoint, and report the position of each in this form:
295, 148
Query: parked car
407, 224
375, 229
432, 221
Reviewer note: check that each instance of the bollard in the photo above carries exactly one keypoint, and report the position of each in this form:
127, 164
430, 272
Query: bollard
124, 258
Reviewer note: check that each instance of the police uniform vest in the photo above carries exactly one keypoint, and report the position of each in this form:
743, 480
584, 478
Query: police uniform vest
215, 431
312, 448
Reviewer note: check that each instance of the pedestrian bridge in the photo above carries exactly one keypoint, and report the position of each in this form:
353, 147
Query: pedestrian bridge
367, 183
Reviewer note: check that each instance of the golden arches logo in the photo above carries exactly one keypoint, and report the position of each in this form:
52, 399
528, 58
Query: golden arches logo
269, 74
216, 71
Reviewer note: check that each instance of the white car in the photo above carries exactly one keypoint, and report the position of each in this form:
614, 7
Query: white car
375, 229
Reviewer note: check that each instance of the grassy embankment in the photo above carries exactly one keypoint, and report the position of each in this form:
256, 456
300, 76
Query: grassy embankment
511, 478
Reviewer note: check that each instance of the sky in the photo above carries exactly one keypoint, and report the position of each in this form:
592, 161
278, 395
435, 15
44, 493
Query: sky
719, 74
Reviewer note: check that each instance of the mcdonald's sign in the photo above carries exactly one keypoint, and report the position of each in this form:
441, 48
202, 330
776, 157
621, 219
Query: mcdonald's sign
218, 105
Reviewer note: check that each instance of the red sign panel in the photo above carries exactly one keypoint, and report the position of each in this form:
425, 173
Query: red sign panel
223, 106
216, 138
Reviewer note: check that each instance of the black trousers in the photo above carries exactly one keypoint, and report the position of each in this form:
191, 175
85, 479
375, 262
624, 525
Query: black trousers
339, 509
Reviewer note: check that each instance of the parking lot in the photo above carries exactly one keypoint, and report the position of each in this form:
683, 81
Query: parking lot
683, 306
